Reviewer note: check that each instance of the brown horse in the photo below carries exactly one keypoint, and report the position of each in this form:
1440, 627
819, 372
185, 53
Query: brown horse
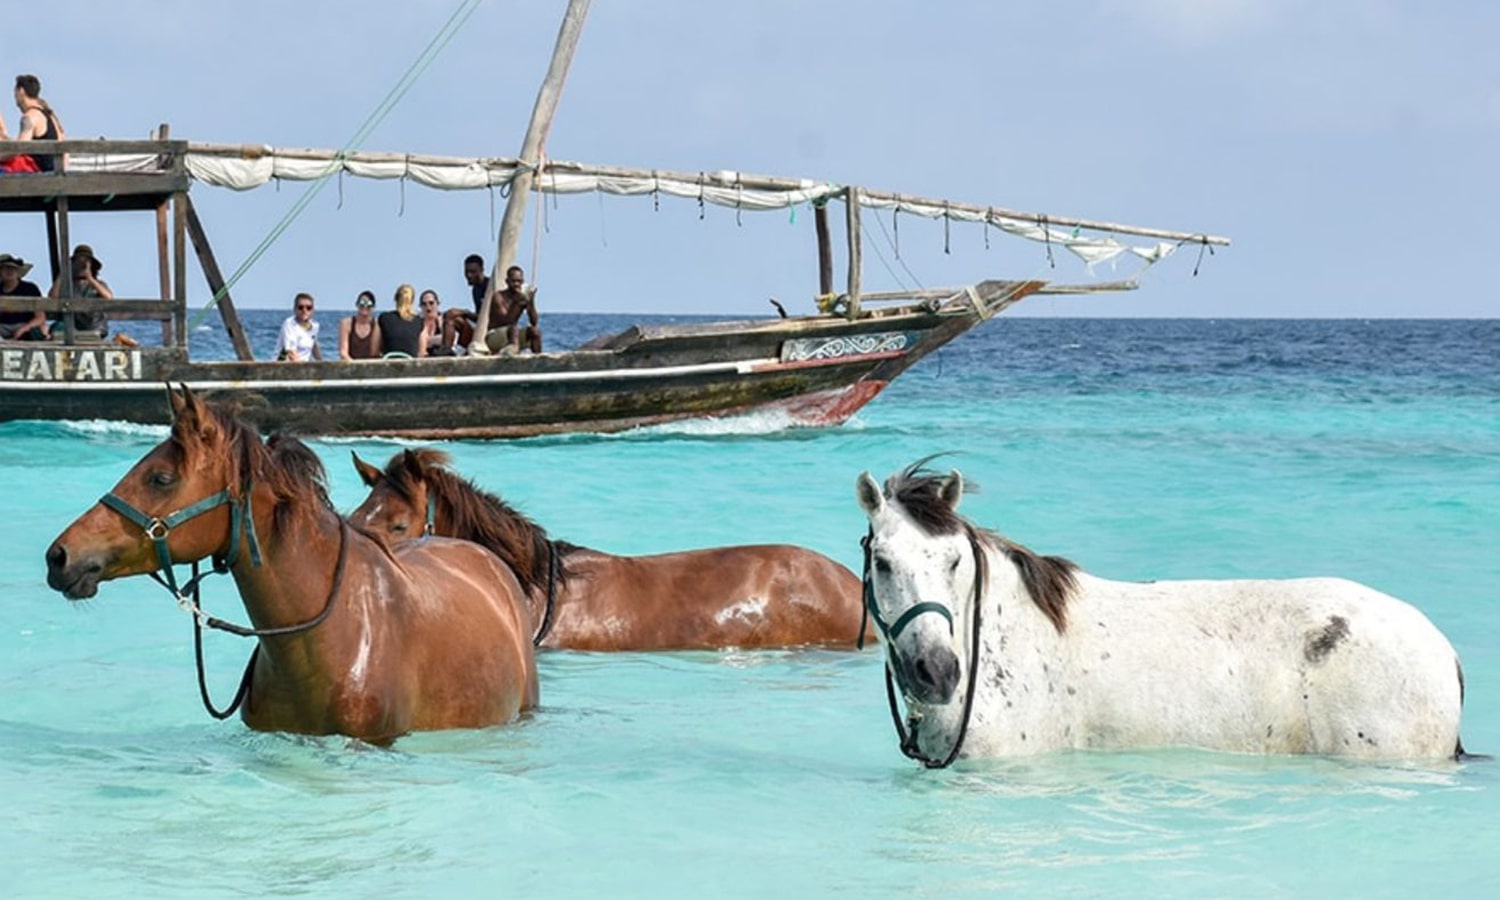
355, 637
751, 597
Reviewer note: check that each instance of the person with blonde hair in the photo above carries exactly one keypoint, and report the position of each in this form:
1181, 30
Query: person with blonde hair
401, 328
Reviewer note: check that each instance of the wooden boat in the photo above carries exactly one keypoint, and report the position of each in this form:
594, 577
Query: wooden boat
816, 370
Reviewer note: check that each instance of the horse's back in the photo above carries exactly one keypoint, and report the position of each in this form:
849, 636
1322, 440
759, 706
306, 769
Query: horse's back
753, 595
1318, 665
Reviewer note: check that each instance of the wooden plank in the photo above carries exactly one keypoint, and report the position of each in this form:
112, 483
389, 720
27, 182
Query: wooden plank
210, 266
103, 185
149, 308
98, 146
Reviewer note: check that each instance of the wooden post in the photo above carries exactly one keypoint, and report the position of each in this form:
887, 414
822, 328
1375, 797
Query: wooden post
851, 221
825, 249
215, 278
536, 135
163, 268
62, 264
163, 265
179, 262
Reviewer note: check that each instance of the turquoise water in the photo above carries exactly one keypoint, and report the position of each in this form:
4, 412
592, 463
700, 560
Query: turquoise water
1140, 449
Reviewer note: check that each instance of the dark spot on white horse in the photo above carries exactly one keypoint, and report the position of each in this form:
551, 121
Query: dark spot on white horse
1322, 642
1269, 729
1103, 656
1023, 735
1072, 691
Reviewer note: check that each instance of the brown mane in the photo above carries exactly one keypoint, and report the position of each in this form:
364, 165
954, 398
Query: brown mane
283, 463
1049, 580
484, 518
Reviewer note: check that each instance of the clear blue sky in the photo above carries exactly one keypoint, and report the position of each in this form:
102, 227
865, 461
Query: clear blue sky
1347, 146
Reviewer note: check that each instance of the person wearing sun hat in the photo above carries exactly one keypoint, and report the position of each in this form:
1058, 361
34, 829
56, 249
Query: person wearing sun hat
86, 285
20, 325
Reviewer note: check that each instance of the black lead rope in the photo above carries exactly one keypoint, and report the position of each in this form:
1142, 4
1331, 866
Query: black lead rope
202, 619
552, 571
906, 732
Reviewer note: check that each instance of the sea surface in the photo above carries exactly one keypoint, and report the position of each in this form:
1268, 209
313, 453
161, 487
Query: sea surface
1141, 449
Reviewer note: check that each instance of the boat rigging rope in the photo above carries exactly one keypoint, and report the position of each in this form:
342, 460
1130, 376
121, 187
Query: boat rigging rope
414, 71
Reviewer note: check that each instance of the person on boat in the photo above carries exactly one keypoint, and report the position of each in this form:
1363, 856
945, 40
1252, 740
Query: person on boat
298, 341
359, 336
84, 270
401, 328
505, 316
38, 123
458, 324
20, 326
432, 325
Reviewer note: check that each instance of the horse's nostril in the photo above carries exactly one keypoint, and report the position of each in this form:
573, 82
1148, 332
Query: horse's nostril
57, 556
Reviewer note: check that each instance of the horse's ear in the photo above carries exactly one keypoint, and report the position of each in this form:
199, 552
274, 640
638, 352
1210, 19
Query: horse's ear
868, 492
953, 489
412, 462
188, 413
370, 475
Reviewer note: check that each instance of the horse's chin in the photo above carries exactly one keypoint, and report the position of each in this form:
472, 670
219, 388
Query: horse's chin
79, 583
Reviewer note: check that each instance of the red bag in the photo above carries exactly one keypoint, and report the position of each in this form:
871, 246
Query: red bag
18, 164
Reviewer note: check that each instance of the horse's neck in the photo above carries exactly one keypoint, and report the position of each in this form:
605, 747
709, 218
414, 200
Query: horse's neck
1015, 634
297, 566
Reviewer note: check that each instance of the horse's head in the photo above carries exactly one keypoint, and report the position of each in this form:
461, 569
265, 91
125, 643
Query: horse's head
401, 502
920, 571
176, 502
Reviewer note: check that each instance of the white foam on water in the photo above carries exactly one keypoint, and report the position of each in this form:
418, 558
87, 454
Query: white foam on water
110, 428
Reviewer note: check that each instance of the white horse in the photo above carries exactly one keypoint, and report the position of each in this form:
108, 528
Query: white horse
1067, 660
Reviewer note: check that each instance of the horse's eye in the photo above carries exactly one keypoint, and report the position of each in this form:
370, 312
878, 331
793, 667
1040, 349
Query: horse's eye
398, 527
953, 566
161, 479
882, 566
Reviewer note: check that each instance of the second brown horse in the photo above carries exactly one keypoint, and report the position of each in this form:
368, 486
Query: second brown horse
753, 597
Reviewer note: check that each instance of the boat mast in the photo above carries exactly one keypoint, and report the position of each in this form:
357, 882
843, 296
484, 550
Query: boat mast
530, 158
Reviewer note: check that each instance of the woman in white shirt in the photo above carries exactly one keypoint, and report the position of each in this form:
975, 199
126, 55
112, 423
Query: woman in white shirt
299, 333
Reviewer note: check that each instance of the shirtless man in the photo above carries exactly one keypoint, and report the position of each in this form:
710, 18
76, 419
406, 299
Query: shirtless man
505, 315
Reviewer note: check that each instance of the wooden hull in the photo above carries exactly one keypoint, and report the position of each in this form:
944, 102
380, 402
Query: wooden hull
817, 371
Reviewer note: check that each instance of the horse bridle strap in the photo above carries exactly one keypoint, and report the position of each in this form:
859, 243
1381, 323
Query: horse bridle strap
907, 733
159, 528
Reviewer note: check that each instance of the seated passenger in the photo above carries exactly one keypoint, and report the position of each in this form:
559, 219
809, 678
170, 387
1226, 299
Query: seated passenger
18, 325
298, 341
359, 336
87, 285
505, 331
432, 325
401, 329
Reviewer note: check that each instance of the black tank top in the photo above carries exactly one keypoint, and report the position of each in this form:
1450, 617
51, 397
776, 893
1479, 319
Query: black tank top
47, 163
398, 335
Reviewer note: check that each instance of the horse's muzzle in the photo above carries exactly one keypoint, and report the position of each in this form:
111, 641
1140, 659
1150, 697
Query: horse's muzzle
932, 675
75, 578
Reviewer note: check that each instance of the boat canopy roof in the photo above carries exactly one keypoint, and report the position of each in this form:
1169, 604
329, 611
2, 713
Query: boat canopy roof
244, 167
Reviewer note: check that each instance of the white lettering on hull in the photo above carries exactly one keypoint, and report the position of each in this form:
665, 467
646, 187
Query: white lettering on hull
69, 364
